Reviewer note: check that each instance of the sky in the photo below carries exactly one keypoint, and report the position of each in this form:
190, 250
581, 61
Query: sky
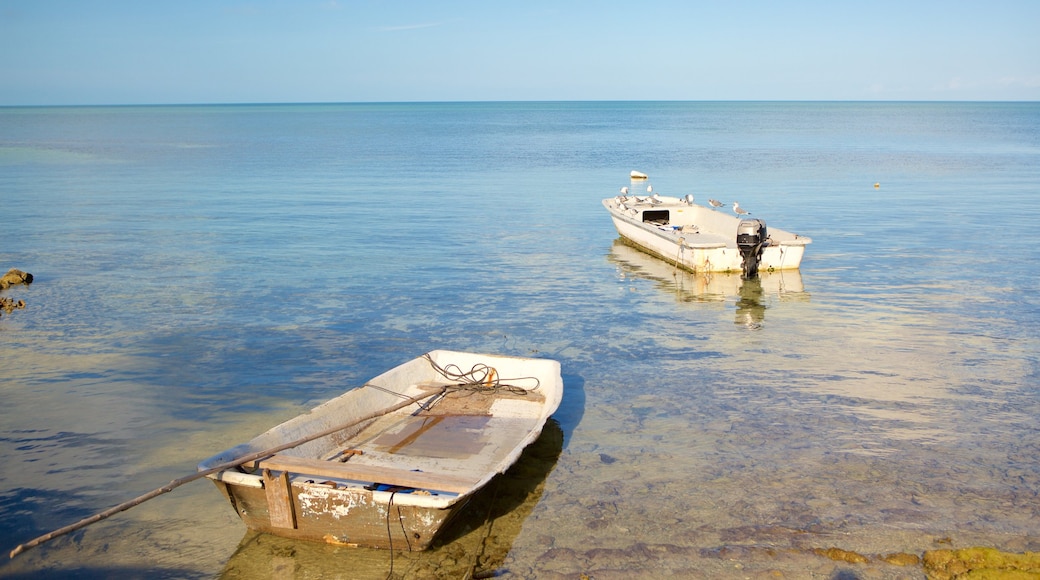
96, 52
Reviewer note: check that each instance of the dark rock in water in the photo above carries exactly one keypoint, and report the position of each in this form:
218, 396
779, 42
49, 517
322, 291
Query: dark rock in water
15, 276
12, 277
9, 304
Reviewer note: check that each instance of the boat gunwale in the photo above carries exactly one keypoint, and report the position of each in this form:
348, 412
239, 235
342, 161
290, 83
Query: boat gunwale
787, 238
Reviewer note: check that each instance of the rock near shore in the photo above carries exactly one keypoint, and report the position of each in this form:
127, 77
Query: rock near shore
13, 277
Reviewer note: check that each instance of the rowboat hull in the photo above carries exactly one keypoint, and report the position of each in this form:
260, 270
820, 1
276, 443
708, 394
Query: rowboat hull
348, 517
395, 480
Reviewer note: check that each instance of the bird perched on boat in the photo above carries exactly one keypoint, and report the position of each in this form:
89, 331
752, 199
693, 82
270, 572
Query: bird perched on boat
650, 188
624, 191
739, 210
715, 203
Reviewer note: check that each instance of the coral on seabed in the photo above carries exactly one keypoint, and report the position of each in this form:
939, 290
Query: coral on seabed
980, 563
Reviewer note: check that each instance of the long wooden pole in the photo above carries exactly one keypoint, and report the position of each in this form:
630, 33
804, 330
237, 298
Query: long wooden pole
228, 465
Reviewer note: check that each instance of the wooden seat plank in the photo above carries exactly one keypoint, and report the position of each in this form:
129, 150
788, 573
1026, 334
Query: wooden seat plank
374, 473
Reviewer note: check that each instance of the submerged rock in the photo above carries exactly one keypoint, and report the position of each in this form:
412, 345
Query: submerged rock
839, 555
980, 563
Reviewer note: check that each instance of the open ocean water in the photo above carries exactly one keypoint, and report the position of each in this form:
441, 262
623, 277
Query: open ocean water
205, 272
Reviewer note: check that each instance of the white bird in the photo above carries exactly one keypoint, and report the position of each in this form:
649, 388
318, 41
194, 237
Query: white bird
689, 199
715, 203
650, 188
739, 210
655, 199
624, 191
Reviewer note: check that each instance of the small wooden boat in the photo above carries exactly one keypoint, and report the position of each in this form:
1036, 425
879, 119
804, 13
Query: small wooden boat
701, 239
416, 443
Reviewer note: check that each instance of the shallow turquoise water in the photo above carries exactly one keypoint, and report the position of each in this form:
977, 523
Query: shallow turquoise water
203, 273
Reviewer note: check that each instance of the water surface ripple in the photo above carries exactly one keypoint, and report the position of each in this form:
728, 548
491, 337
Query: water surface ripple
203, 273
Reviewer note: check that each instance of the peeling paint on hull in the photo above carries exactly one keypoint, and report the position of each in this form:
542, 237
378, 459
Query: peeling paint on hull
344, 517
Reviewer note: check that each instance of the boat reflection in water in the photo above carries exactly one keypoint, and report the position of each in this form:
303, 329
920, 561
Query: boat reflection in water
474, 543
751, 294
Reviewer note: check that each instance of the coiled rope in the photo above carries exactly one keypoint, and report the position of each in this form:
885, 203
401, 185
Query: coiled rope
480, 378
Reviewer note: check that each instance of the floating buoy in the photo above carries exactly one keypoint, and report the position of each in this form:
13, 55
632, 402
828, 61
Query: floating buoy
877, 185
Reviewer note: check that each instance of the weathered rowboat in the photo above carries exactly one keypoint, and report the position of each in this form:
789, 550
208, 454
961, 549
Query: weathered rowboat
417, 442
701, 239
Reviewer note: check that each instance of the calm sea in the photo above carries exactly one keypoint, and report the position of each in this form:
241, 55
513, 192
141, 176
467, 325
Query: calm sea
204, 272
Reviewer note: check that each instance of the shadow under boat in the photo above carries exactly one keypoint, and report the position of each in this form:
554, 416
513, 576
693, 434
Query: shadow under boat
476, 542
750, 294
786, 285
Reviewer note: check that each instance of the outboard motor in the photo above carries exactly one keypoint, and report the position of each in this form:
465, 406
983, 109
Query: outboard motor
751, 238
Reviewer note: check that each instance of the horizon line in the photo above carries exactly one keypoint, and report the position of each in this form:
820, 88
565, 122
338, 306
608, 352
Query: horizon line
507, 101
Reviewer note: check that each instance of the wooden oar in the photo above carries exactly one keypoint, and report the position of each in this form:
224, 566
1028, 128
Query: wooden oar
199, 475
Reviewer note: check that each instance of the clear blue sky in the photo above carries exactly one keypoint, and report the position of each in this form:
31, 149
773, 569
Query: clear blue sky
248, 51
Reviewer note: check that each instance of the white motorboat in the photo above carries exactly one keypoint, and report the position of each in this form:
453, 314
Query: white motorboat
702, 239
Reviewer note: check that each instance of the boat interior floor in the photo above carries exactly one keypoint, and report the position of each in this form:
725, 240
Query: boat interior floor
462, 434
